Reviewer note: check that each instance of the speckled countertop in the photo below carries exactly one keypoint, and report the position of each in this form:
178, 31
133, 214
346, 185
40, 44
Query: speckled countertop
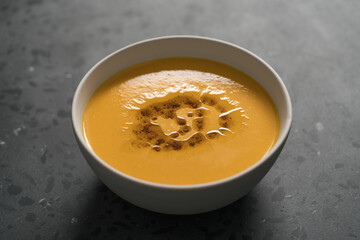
47, 190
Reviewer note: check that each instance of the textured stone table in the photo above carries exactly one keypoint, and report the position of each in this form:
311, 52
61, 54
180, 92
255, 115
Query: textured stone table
47, 190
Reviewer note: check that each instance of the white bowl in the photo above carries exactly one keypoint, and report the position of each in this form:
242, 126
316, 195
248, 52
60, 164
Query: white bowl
182, 199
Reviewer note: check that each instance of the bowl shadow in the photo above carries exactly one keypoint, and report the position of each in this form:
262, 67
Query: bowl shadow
106, 216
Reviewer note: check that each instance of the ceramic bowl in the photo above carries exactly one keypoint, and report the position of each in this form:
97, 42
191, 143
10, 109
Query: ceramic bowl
182, 199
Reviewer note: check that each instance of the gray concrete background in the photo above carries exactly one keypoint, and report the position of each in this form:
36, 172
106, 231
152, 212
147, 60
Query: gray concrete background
47, 191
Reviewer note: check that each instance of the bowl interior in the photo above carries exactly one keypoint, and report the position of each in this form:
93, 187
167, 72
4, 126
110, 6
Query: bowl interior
182, 46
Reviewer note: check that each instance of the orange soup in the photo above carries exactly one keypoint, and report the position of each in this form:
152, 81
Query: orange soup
180, 121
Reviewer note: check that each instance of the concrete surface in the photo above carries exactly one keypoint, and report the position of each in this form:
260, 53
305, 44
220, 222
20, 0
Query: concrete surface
47, 191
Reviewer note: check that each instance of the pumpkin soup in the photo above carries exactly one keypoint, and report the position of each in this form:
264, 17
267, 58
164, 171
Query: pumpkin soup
180, 121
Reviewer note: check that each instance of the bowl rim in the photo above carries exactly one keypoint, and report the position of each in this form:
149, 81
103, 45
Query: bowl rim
281, 139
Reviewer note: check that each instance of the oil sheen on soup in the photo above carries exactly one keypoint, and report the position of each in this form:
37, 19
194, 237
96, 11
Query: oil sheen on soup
180, 121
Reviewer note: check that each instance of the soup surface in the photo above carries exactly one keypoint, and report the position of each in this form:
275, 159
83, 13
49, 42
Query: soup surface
180, 121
